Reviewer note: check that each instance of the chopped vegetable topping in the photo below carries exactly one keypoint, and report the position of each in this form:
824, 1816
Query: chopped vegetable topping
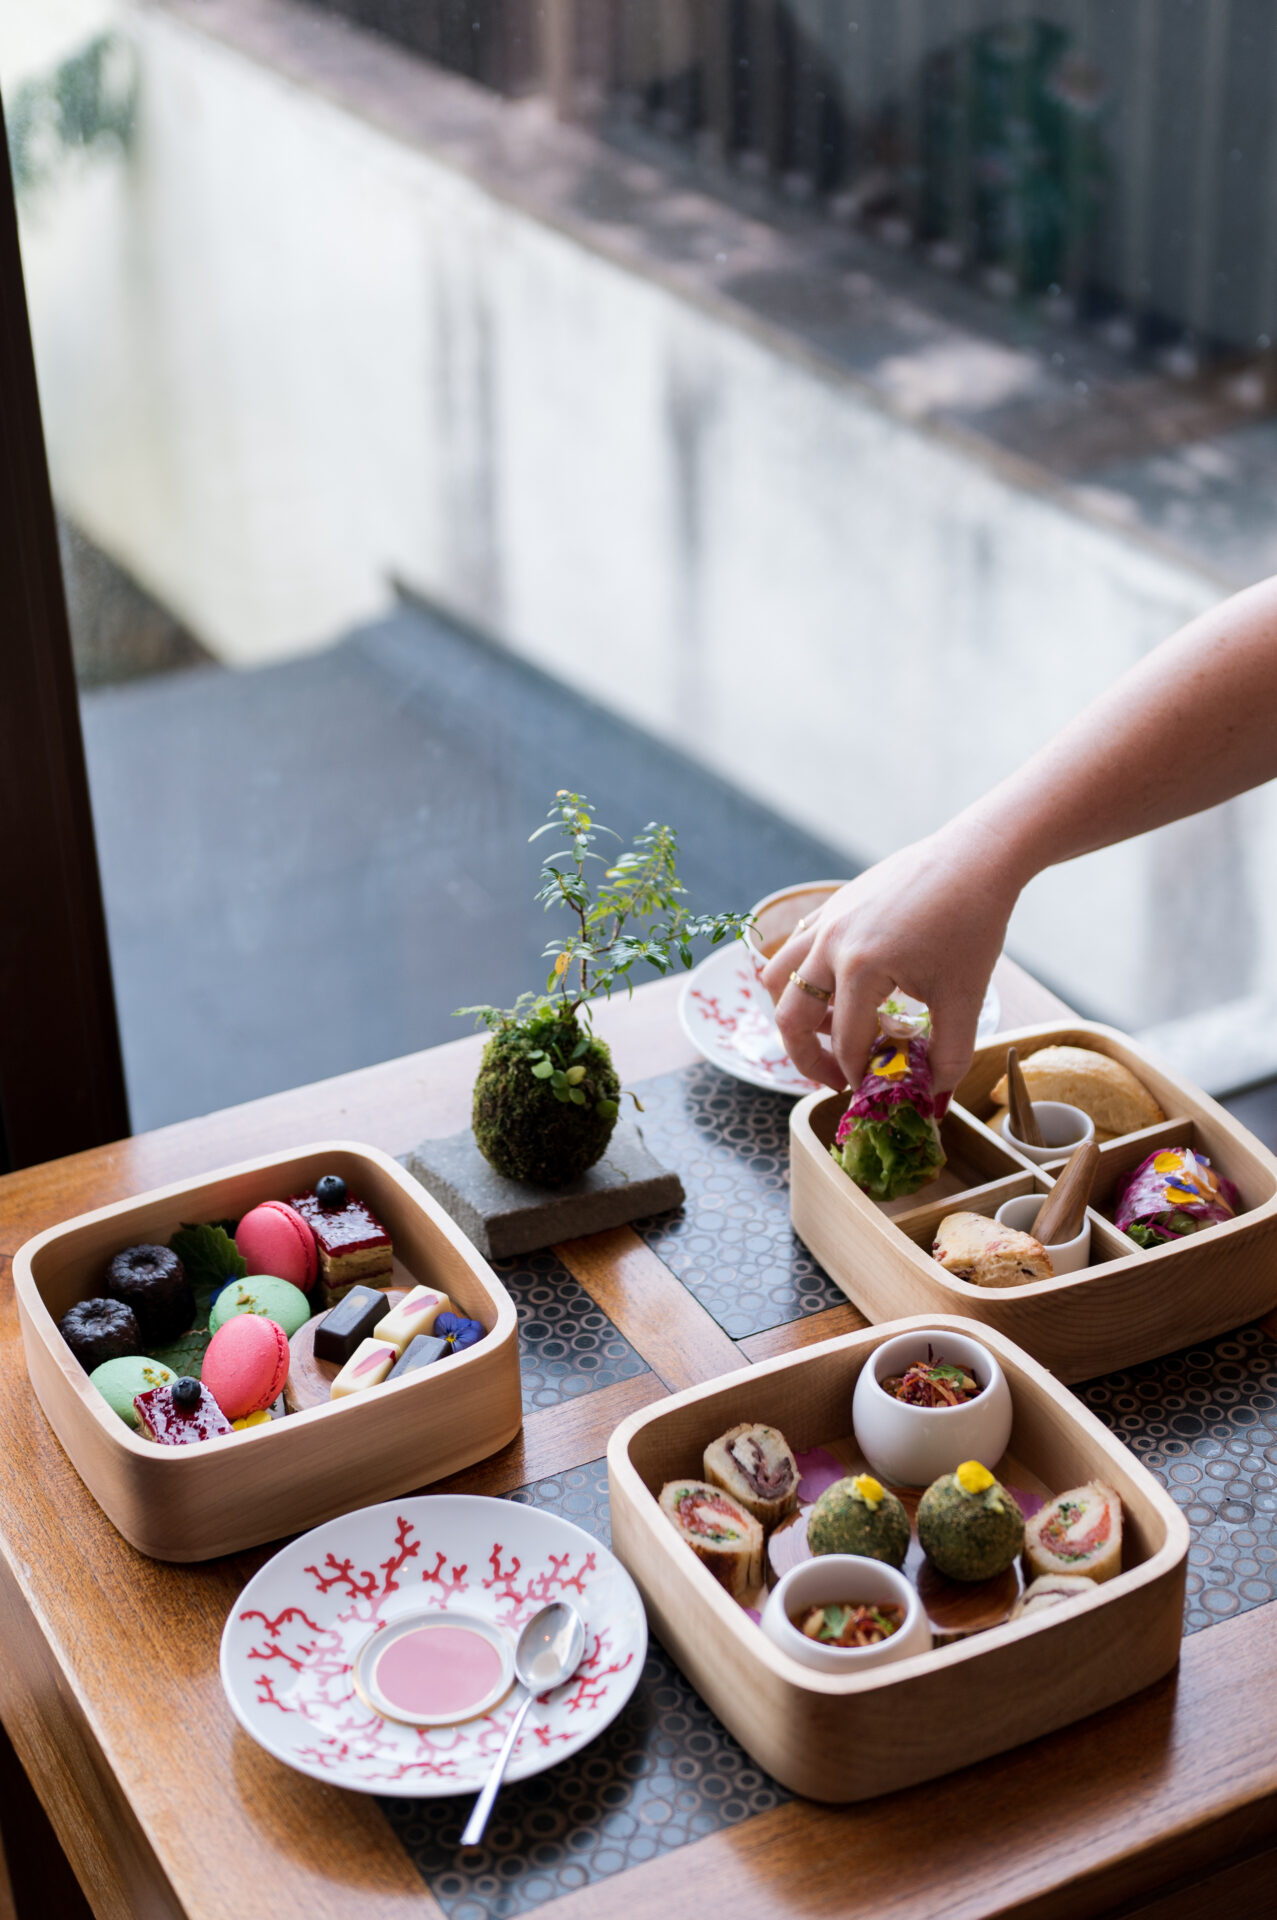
850, 1623
973, 1478
928, 1383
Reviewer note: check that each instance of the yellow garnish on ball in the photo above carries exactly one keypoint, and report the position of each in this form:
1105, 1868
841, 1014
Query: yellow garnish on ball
869, 1489
972, 1477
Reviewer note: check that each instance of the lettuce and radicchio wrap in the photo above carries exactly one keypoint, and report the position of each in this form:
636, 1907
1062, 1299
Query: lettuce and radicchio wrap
888, 1140
1172, 1193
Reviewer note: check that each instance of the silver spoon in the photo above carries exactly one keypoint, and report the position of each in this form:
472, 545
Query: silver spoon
549, 1652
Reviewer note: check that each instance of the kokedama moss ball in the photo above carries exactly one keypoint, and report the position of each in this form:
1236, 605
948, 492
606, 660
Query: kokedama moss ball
522, 1125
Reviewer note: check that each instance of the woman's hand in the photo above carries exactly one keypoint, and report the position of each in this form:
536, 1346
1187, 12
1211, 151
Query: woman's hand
930, 921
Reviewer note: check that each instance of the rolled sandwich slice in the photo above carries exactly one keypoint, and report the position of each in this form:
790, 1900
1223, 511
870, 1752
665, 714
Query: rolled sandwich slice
754, 1464
1050, 1590
718, 1530
1079, 1532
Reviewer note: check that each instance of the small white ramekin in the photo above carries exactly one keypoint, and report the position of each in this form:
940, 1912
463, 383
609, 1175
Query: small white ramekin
1067, 1256
836, 1577
1063, 1129
911, 1446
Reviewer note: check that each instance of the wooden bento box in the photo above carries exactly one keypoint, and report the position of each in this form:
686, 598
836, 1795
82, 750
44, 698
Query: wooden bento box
839, 1738
1129, 1304
191, 1503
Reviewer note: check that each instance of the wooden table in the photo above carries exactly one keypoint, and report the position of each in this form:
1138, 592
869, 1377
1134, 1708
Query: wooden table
109, 1687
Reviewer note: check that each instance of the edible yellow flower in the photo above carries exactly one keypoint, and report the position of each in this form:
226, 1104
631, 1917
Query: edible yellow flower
869, 1489
972, 1477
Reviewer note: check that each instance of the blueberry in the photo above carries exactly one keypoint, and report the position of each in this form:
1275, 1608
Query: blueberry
186, 1394
330, 1191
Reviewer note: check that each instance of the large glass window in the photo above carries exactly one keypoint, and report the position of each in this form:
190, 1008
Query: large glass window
775, 415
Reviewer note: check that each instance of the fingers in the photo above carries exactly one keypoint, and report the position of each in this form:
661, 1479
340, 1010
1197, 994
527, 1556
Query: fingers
801, 1017
953, 1031
789, 959
861, 991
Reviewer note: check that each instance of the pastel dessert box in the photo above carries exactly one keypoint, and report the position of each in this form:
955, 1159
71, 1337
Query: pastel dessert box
1130, 1303
276, 1476
851, 1736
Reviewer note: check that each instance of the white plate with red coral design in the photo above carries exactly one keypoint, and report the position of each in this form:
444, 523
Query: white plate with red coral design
293, 1640
727, 1017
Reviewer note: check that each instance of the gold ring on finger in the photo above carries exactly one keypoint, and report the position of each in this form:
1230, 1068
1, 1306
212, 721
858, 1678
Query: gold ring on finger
824, 994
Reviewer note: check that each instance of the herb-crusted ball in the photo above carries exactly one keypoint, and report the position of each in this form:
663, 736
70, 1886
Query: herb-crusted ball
859, 1516
522, 1125
969, 1525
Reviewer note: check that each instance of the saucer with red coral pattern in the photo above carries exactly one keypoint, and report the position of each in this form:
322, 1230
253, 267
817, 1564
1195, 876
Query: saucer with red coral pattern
295, 1647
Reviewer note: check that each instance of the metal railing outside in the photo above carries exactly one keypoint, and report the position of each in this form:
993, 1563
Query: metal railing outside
1115, 160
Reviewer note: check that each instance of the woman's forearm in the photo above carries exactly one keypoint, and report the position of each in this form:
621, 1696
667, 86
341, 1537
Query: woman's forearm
1190, 725
1193, 724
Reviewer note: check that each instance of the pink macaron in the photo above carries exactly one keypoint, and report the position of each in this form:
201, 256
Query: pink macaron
246, 1364
274, 1238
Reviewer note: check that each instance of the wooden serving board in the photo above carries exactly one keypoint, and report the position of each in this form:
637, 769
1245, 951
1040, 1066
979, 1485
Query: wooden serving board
310, 1381
1129, 1304
839, 1737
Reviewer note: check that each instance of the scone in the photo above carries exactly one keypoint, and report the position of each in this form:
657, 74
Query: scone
1104, 1089
973, 1248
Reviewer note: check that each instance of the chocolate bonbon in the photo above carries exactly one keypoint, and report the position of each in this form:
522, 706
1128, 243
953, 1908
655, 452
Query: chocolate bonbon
422, 1351
351, 1321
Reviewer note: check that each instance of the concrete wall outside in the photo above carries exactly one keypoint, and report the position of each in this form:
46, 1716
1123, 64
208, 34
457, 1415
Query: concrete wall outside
286, 360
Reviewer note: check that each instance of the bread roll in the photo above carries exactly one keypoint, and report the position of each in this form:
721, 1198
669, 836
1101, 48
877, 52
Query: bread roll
980, 1250
754, 1464
1079, 1532
1104, 1089
719, 1532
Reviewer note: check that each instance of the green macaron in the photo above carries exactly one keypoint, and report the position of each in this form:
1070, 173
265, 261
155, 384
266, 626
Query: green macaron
276, 1300
119, 1380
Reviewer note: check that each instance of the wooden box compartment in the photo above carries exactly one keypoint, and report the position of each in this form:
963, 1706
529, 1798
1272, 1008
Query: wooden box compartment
191, 1503
838, 1739
1130, 1304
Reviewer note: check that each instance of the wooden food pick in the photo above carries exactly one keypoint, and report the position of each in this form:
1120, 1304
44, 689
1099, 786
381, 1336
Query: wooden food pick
1024, 1122
1065, 1207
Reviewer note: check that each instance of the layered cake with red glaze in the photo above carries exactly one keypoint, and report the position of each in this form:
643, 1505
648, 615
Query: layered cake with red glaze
353, 1245
180, 1415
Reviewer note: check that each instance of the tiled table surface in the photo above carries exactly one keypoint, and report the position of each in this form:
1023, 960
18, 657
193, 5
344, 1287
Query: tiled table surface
666, 1773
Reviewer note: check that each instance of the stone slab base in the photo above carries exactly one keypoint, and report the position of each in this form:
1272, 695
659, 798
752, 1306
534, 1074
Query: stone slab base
505, 1217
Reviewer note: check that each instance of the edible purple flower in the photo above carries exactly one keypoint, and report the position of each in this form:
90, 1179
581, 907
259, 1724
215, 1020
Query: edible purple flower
458, 1331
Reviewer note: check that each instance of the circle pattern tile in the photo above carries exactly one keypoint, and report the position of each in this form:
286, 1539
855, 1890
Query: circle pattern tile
1204, 1420
567, 1344
731, 1243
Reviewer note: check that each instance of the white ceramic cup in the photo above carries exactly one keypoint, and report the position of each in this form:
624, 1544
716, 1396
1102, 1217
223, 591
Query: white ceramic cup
832, 1578
1063, 1129
912, 1446
1067, 1256
773, 919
